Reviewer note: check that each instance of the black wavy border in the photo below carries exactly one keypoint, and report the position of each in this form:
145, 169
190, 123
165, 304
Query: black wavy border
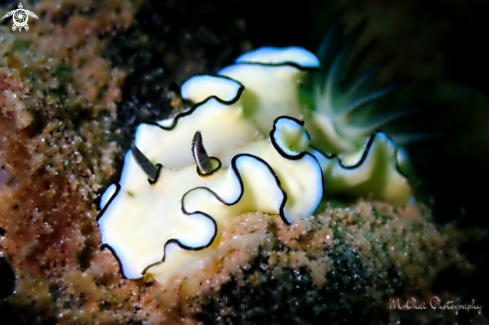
281, 64
300, 155
365, 153
194, 107
183, 246
240, 180
103, 246
180, 115
177, 117
275, 144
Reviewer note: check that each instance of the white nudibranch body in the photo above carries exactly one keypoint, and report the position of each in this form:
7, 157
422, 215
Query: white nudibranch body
243, 146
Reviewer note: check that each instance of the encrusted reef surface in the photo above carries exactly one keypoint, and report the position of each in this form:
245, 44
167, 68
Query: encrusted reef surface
72, 90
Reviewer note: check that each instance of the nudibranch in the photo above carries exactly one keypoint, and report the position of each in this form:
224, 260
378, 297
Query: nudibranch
248, 143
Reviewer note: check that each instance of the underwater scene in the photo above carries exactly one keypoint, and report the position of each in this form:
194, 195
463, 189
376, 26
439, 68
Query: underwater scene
232, 162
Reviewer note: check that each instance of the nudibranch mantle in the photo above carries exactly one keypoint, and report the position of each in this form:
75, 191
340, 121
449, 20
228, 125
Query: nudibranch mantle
273, 175
250, 129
